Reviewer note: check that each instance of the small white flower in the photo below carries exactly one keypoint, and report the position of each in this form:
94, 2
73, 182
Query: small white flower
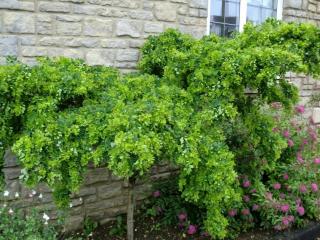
16, 195
5, 205
45, 217
40, 196
46, 223
80, 199
6, 193
30, 195
10, 211
70, 205
33, 192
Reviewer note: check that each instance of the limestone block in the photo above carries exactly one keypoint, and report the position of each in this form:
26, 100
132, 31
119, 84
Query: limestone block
97, 27
96, 175
100, 57
17, 5
69, 28
18, 22
166, 12
54, 7
141, 15
114, 43
316, 115
199, 4
292, 4
129, 28
153, 27
129, 55
45, 24
110, 190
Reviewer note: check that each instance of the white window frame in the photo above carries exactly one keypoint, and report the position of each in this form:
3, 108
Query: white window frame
243, 14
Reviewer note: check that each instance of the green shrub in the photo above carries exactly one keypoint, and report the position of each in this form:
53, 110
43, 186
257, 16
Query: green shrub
55, 114
185, 107
217, 73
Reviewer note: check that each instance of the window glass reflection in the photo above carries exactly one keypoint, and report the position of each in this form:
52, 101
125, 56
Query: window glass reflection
259, 10
225, 14
224, 17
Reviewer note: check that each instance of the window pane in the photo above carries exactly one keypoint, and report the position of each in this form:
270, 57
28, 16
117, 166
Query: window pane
259, 10
224, 17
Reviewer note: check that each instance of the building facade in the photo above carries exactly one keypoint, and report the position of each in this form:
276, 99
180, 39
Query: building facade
110, 32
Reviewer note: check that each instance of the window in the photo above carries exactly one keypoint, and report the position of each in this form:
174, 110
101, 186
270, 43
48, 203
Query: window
227, 16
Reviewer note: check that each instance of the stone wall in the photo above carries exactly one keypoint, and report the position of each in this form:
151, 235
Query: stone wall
107, 32
101, 198
305, 11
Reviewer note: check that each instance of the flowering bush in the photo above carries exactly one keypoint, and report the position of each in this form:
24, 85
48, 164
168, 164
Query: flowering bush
170, 208
282, 193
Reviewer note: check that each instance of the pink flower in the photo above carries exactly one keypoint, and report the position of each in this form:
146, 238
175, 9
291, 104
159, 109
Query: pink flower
255, 207
300, 109
182, 217
285, 221
290, 143
246, 183
316, 161
300, 210
286, 134
305, 141
303, 188
282, 196
285, 176
245, 212
192, 229
314, 187
284, 208
277, 186
246, 198
156, 194
232, 212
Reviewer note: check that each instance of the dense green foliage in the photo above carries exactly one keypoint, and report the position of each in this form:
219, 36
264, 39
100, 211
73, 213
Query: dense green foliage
218, 73
17, 225
57, 111
186, 106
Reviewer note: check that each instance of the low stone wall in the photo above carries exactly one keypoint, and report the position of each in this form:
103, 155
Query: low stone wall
101, 198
